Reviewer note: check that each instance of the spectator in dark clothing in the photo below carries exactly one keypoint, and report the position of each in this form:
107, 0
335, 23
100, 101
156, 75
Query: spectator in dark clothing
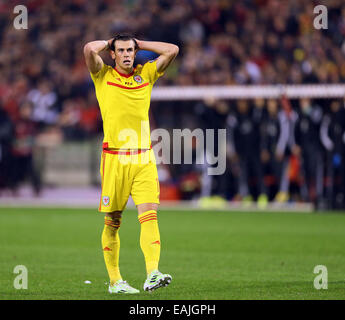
212, 114
332, 137
272, 131
288, 152
245, 146
6, 134
23, 166
308, 139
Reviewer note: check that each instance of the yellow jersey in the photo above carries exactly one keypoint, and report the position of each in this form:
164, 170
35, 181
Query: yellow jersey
124, 101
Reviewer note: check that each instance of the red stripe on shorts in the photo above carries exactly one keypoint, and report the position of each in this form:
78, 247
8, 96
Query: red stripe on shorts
103, 166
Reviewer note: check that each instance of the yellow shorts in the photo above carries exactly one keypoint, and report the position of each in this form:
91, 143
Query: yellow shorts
128, 174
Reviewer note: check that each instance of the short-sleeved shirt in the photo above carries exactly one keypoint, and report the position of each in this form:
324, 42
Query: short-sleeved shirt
124, 101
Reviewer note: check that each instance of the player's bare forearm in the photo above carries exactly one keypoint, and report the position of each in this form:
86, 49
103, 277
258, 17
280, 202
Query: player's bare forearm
166, 51
91, 52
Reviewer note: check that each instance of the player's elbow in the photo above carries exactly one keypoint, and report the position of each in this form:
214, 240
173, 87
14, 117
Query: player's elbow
87, 49
174, 50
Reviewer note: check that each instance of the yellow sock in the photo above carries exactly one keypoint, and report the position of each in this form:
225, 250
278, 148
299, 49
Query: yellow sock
150, 239
111, 248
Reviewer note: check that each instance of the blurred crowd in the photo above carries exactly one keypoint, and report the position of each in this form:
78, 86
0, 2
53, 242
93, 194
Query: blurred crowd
46, 92
277, 150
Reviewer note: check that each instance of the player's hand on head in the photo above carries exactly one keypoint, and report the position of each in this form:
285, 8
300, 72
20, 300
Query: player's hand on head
110, 41
138, 42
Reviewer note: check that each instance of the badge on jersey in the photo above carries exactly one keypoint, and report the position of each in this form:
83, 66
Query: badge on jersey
138, 79
106, 201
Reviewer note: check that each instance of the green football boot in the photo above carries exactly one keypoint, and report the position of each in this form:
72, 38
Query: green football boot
156, 279
121, 286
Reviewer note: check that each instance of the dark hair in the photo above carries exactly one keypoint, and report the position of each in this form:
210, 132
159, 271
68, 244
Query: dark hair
123, 37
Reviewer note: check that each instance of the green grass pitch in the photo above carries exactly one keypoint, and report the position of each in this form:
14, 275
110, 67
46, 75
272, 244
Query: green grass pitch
211, 255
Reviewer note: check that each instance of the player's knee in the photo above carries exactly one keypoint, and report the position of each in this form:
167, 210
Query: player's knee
147, 207
115, 215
